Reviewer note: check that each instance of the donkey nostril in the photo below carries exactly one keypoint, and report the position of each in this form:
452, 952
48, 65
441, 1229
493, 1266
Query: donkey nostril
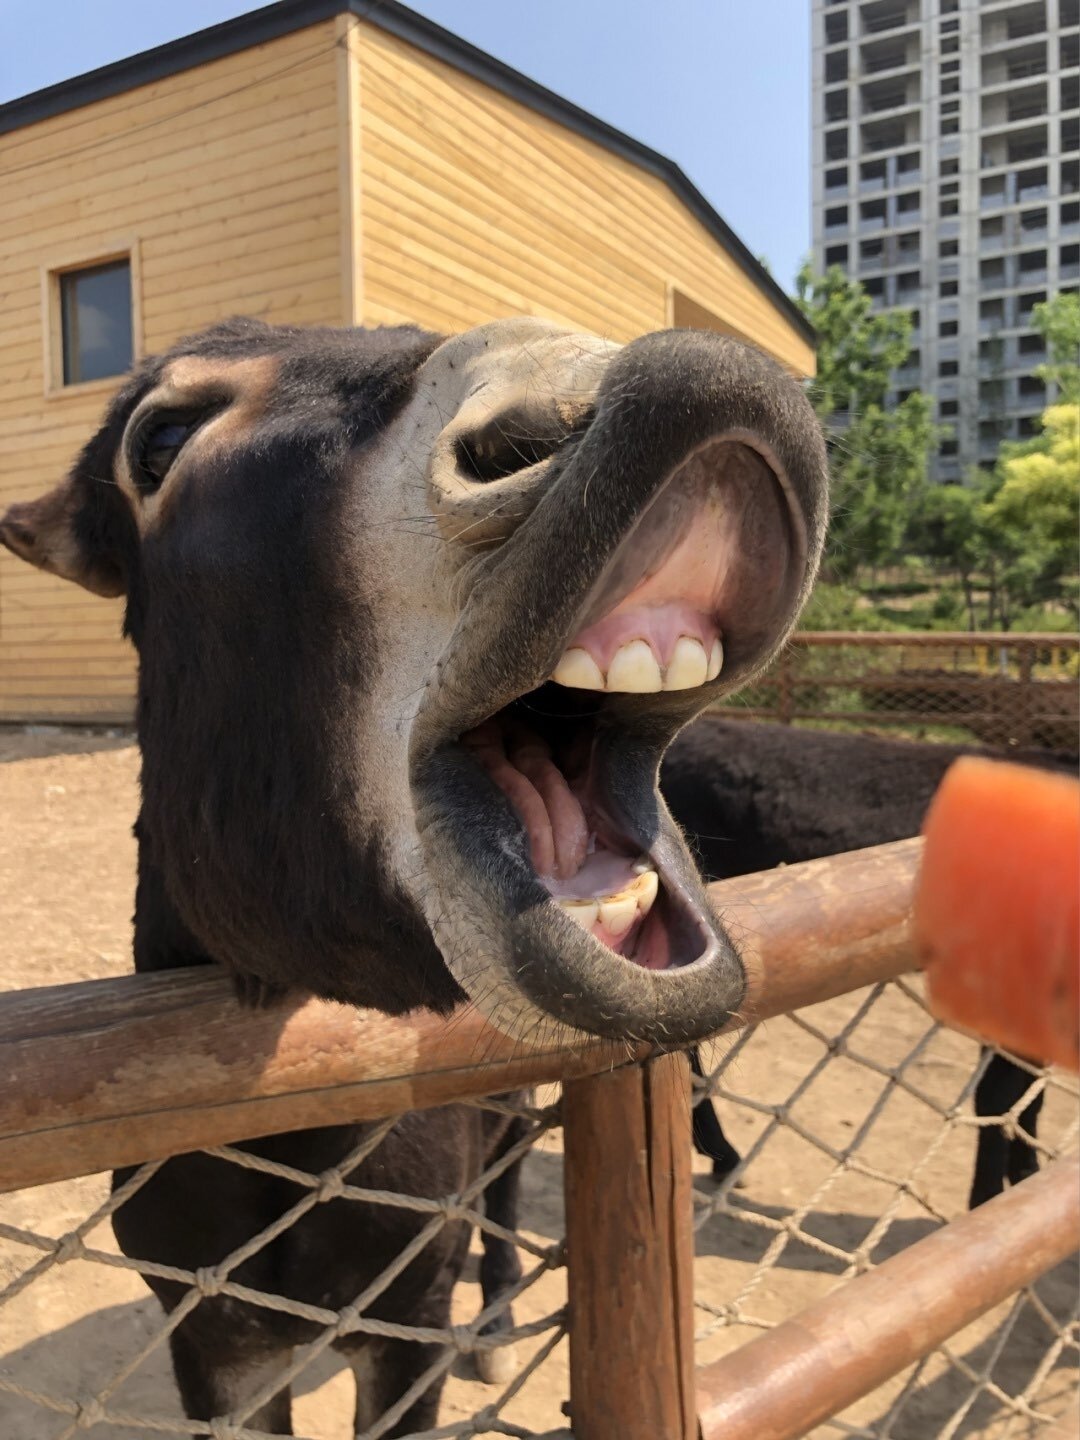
512, 442
495, 454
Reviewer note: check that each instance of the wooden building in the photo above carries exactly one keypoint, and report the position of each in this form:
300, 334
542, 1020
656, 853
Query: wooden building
317, 162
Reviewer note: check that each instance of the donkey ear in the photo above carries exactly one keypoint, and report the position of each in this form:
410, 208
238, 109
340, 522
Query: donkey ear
47, 533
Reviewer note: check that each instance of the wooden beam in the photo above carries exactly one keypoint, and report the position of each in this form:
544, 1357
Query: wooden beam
112, 1072
630, 1252
841, 1348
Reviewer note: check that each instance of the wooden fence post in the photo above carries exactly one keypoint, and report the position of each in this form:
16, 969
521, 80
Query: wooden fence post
785, 690
630, 1253
1024, 728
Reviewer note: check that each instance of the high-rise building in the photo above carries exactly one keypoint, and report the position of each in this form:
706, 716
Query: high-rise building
946, 162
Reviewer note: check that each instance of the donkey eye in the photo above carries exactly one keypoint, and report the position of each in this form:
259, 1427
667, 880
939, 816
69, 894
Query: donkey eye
157, 448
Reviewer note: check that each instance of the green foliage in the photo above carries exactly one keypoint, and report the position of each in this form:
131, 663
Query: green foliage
1033, 514
1058, 321
840, 607
878, 457
857, 350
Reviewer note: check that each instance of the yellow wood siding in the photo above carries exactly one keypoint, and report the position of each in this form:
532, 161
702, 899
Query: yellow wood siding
476, 207
336, 174
227, 178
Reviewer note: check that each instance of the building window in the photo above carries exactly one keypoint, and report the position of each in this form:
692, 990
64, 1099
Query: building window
949, 367
950, 125
948, 408
91, 325
836, 255
836, 30
949, 247
836, 105
950, 44
950, 85
949, 207
948, 287
948, 328
836, 67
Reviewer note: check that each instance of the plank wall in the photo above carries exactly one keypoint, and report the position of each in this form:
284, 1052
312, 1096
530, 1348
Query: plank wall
476, 207
226, 179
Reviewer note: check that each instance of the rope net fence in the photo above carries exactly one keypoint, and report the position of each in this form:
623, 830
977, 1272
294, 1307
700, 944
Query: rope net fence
98, 1357
856, 1123
968, 689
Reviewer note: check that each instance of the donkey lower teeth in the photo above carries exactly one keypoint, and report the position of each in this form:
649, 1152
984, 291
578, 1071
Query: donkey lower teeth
616, 913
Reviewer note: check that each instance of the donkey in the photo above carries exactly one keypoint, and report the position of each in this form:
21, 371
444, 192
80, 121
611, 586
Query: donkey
416, 619
751, 797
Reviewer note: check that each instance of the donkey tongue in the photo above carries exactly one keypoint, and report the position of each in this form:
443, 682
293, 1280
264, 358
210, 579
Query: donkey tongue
521, 766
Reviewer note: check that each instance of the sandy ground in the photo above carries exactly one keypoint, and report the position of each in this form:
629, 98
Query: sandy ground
67, 801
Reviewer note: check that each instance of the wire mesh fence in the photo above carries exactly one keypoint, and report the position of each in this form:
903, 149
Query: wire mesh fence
856, 1122
992, 689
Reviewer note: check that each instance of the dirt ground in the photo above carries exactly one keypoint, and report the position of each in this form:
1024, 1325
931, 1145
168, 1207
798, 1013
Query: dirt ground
67, 802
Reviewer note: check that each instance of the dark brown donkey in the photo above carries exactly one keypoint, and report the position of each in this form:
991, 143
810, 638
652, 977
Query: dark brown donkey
416, 620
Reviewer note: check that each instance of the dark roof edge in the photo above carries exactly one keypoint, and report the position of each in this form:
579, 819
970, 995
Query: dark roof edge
286, 16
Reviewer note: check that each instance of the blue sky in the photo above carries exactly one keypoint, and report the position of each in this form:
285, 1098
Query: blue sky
720, 86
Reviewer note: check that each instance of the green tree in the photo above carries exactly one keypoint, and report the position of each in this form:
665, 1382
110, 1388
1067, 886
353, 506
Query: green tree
1033, 515
949, 528
878, 457
1058, 321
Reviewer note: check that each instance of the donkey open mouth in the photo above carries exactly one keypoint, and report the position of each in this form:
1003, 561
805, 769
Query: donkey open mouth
664, 563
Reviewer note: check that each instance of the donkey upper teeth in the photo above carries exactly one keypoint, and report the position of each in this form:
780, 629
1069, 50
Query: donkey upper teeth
634, 669
578, 670
688, 665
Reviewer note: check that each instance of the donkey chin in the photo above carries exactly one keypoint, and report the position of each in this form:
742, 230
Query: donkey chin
492, 577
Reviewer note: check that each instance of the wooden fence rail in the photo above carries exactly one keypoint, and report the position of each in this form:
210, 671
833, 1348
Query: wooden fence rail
115, 1072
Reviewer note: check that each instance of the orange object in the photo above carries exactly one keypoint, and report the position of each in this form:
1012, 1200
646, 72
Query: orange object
997, 907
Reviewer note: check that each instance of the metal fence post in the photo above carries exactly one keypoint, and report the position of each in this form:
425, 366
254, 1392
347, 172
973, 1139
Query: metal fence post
630, 1253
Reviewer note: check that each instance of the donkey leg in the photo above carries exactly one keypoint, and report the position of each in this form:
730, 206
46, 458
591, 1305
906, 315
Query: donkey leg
1002, 1085
500, 1265
213, 1381
708, 1133
1023, 1156
384, 1371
